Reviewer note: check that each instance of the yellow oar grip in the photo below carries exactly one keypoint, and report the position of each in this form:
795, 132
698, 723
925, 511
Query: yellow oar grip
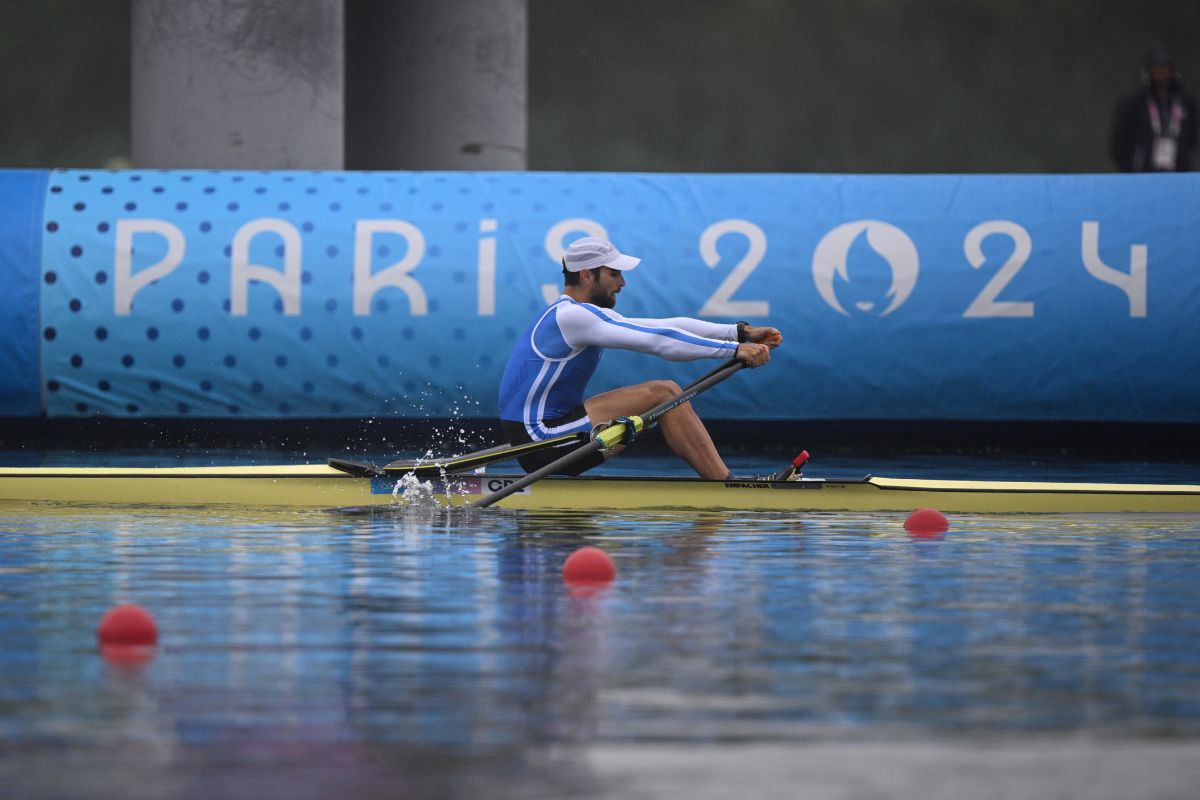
617, 433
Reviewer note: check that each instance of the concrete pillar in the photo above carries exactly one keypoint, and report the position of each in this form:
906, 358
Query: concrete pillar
436, 84
238, 84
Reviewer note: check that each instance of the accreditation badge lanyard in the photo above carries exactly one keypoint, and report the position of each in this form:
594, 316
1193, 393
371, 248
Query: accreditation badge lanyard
1162, 153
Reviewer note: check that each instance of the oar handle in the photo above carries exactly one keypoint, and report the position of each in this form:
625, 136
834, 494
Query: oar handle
614, 433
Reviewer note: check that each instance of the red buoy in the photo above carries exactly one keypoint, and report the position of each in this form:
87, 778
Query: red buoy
127, 624
926, 522
590, 566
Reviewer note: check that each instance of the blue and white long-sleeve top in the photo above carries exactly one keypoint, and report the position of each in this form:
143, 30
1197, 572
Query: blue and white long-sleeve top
549, 369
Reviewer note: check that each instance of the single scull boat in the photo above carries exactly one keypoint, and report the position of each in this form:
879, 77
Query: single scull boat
326, 486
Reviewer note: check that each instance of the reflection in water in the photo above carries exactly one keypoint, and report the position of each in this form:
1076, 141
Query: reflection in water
441, 649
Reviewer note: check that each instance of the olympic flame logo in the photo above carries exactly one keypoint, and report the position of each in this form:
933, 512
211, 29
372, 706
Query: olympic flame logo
891, 243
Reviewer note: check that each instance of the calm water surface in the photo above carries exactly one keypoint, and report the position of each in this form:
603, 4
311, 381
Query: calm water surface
429, 652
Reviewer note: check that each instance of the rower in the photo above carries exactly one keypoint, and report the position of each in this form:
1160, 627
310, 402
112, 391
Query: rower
542, 390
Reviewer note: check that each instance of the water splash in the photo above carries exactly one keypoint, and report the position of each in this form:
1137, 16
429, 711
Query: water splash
412, 492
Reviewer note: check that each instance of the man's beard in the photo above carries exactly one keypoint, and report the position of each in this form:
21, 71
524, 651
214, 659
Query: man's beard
601, 298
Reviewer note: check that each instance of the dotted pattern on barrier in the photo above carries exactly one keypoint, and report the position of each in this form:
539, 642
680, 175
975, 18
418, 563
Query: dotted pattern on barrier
181, 351
876, 281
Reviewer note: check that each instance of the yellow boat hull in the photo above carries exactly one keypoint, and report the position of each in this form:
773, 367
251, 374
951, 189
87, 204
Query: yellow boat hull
322, 486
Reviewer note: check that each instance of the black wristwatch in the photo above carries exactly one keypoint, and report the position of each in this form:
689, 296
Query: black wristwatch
741, 330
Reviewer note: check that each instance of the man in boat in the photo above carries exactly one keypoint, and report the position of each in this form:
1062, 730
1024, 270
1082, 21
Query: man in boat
542, 391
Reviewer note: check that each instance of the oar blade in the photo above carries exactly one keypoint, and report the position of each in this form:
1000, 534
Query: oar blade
359, 469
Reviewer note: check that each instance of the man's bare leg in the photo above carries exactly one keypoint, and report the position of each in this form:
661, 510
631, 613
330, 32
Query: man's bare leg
684, 431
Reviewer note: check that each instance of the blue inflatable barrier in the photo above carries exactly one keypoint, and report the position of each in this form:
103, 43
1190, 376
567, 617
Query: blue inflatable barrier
281, 294
21, 195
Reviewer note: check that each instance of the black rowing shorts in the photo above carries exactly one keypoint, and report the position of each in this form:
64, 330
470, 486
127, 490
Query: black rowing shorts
515, 433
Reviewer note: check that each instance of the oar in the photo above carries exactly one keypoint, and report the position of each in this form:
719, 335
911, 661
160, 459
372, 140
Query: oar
433, 467
427, 467
615, 433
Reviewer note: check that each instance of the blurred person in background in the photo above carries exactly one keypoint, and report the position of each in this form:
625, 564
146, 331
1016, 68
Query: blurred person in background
1154, 129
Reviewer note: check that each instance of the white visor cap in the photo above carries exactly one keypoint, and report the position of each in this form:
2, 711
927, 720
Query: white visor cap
590, 252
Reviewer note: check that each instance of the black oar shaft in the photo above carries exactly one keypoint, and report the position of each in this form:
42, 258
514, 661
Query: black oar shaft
707, 382
706, 376
434, 466
538, 474
599, 443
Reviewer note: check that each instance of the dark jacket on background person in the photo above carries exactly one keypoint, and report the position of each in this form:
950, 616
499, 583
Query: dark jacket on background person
1153, 134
